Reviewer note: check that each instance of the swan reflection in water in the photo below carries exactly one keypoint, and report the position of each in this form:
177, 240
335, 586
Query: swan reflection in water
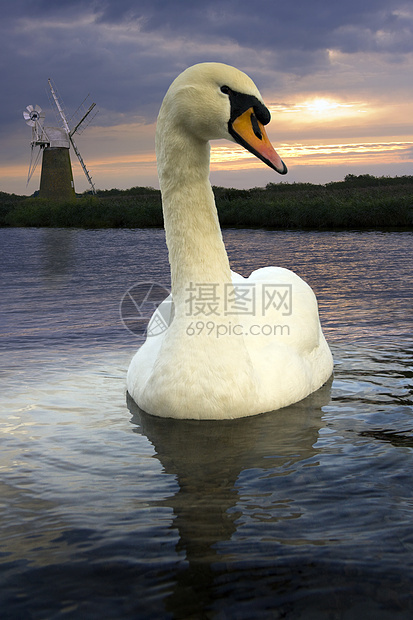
212, 462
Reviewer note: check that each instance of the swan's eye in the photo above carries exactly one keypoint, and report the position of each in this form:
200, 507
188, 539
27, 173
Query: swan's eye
226, 90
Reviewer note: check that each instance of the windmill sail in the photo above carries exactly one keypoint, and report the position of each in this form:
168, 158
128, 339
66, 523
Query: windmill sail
34, 160
34, 117
71, 132
56, 180
82, 163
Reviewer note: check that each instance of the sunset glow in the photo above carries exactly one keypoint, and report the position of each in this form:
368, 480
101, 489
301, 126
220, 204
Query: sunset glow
337, 85
234, 157
320, 107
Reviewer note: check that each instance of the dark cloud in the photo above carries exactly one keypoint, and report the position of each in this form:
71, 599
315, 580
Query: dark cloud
379, 25
289, 37
126, 52
298, 24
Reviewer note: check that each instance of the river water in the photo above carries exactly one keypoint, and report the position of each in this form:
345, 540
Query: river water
305, 513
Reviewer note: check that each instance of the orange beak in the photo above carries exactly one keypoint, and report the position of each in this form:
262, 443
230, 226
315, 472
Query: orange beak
250, 133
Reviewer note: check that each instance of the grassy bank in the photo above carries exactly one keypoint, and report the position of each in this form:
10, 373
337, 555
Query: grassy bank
358, 202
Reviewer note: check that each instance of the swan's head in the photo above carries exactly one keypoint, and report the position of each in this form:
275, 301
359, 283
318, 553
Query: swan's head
214, 101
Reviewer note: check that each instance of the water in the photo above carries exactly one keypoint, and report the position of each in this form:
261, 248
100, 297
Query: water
301, 514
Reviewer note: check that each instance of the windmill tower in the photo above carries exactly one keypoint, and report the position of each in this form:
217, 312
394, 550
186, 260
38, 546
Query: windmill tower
56, 180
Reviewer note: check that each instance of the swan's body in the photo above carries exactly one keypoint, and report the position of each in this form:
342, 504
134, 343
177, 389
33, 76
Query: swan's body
228, 352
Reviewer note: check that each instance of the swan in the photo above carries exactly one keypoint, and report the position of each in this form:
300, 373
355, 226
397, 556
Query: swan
235, 346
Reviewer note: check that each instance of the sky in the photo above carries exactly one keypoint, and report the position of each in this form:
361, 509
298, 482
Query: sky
337, 77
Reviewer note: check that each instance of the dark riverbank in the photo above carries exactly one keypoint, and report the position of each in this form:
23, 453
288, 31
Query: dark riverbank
358, 202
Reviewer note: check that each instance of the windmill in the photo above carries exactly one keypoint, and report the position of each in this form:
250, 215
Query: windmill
56, 181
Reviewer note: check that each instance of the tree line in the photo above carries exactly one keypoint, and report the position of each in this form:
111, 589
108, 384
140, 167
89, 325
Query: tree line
357, 202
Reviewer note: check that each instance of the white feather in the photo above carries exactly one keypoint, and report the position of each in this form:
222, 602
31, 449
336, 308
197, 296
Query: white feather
266, 356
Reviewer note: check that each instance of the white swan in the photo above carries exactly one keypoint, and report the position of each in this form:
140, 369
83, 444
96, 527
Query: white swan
236, 347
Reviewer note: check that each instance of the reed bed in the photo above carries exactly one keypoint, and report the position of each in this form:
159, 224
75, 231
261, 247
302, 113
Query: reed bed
358, 202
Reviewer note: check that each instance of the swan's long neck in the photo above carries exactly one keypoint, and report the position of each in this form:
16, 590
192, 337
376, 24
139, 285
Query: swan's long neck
196, 250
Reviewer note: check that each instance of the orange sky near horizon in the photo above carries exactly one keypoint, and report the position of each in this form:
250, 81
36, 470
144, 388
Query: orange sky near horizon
336, 78
313, 131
